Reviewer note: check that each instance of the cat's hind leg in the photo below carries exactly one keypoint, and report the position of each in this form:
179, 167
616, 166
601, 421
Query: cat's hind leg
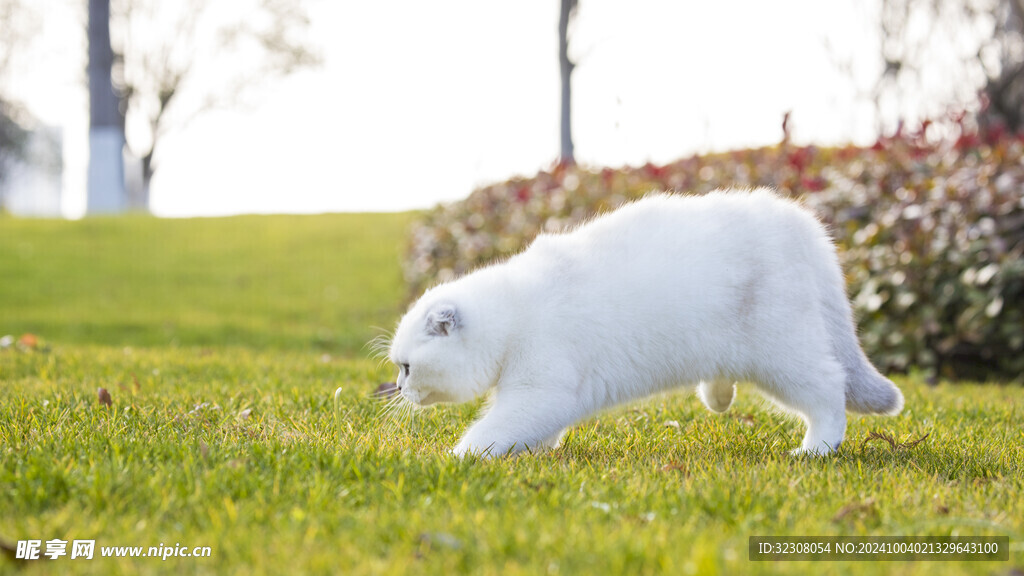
717, 395
553, 441
818, 395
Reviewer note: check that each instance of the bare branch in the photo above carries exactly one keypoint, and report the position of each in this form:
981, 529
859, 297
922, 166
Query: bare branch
179, 60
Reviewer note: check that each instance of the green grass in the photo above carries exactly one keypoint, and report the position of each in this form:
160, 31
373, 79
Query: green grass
223, 431
287, 282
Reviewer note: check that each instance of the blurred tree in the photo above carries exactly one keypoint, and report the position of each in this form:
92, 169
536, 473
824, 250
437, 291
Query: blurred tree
13, 30
12, 140
567, 14
176, 60
975, 48
13, 35
1004, 87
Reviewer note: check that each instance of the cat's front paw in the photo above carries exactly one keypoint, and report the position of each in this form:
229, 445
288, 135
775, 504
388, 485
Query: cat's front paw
813, 451
464, 448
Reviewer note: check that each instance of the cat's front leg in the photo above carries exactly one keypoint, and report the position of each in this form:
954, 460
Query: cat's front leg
522, 418
477, 443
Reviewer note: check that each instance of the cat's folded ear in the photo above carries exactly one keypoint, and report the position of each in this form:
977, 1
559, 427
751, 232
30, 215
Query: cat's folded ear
442, 320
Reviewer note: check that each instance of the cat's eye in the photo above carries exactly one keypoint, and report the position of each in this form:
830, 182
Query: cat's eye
404, 369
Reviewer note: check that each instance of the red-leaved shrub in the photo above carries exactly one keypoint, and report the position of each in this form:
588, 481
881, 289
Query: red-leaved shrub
930, 235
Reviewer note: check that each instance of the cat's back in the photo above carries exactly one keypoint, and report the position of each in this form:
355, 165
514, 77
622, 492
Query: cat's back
758, 211
718, 228
672, 255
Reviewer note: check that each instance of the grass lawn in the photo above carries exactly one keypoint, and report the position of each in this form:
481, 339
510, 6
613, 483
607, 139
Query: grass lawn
222, 342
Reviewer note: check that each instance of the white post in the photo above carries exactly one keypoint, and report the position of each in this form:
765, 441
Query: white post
106, 170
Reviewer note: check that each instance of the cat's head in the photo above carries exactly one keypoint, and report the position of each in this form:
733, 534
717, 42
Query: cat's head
440, 351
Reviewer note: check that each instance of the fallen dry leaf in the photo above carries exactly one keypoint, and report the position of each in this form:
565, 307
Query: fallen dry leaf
845, 511
675, 467
104, 397
9, 550
893, 444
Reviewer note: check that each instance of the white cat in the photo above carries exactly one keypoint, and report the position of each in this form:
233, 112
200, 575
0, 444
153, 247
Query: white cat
664, 292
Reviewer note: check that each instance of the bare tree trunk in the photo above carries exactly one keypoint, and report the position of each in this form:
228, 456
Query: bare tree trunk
567, 155
1017, 8
1006, 92
106, 192
147, 175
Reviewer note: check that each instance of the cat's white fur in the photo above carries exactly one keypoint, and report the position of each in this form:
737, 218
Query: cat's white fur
665, 292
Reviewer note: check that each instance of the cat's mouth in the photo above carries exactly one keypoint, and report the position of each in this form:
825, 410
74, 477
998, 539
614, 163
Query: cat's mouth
420, 397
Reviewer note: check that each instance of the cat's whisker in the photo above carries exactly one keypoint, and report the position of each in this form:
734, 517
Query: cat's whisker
408, 410
386, 404
382, 362
401, 410
379, 353
396, 406
379, 346
390, 406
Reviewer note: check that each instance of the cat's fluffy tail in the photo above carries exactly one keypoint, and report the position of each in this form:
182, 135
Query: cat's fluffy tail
867, 391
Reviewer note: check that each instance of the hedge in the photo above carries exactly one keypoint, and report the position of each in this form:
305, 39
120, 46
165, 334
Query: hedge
930, 235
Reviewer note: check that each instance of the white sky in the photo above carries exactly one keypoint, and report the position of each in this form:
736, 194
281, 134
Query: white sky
418, 102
